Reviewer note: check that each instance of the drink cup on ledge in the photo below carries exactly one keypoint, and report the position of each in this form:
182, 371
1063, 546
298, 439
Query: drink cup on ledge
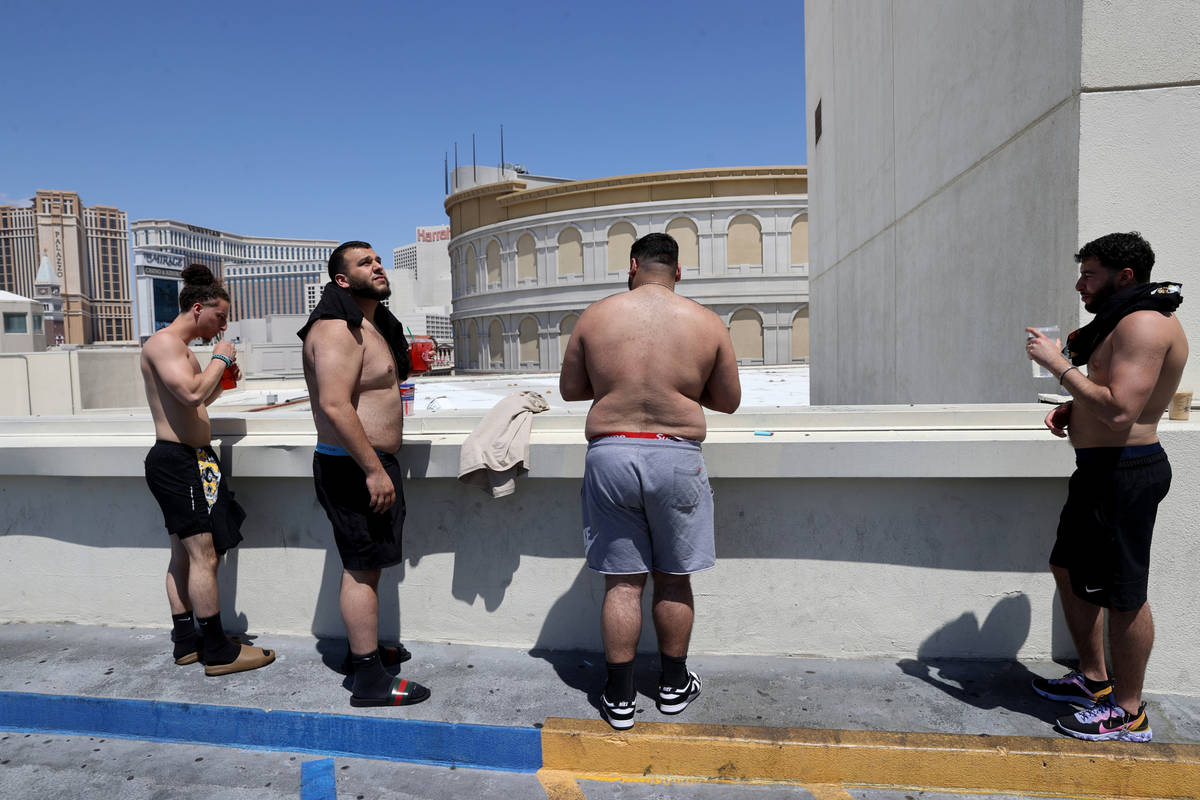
1181, 406
1051, 333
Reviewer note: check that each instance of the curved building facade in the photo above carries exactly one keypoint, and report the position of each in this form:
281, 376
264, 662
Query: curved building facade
528, 254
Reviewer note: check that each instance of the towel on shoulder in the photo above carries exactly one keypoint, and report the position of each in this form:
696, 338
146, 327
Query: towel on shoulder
496, 453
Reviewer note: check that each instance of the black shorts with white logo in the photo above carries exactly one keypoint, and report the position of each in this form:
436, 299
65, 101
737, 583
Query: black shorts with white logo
193, 494
1105, 528
365, 539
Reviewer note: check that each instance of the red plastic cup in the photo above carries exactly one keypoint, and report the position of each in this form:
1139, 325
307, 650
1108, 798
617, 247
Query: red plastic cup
227, 379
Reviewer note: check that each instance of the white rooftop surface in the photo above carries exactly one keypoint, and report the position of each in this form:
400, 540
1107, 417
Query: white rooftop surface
762, 388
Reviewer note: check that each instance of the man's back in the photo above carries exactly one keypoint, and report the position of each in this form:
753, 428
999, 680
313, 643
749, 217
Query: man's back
652, 358
166, 365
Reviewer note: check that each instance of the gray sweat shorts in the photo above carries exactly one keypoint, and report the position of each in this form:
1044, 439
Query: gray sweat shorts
647, 506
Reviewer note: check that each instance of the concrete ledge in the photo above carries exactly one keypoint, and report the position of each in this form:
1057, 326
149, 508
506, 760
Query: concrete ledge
945, 762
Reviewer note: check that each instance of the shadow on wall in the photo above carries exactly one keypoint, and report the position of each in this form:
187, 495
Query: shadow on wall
966, 524
1000, 682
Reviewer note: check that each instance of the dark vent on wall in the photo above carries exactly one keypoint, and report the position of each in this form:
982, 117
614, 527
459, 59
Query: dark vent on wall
817, 123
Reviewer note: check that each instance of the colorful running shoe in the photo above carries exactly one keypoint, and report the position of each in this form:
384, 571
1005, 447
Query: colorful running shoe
672, 701
1073, 688
1107, 720
619, 715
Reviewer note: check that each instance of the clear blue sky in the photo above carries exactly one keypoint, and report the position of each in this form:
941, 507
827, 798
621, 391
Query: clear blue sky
330, 120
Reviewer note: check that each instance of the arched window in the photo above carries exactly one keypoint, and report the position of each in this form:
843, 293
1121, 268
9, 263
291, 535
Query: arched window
800, 335
469, 267
800, 241
745, 328
472, 346
565, 327
526, 258
744, 243
620, 239
493, 263
495, 345
570, 252
531, 351
683, 231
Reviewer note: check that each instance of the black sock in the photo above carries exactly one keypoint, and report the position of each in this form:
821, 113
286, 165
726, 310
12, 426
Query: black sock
217, 647
370, 678
619, 688
674, 671
1093, 685
183, 634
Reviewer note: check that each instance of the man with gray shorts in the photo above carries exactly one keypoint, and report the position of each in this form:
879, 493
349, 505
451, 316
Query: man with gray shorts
650, 361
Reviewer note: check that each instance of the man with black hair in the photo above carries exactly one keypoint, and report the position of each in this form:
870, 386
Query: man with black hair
650, 361
184, 474
355, 357
1135, 351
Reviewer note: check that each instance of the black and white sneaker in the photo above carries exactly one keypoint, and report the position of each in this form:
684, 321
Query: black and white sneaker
619, 715
672, 701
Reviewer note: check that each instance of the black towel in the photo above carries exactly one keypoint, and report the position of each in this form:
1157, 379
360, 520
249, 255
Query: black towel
1164, 297
337, 303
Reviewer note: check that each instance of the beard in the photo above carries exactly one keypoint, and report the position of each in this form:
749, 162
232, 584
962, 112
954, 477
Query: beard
1101, 296
630, 282
367, 289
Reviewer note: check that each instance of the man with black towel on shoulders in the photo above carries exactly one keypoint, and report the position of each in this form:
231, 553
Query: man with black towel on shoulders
1135, 351
355, 357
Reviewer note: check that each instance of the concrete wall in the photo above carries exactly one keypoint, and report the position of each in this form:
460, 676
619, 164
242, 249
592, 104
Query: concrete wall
943, 194
1139, 113
69, 381
886, 532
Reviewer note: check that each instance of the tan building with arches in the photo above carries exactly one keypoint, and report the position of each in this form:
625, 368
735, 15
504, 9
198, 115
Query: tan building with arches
529, 253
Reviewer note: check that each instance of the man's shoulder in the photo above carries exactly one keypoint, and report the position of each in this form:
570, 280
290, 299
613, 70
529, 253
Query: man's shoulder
163, 342
1147, 325
330, 328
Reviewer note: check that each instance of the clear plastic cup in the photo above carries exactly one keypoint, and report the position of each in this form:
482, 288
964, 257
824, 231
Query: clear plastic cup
1051, 333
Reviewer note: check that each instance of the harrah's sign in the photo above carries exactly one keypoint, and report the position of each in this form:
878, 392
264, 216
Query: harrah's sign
441, 233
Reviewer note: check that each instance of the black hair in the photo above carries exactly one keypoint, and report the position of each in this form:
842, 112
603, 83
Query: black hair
337, 259
655, 248
200, 286
1116, 251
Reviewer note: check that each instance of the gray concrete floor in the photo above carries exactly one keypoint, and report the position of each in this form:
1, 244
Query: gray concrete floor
493, 686
47, 765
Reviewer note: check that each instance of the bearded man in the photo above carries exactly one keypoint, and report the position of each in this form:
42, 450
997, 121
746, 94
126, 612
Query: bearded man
355, 357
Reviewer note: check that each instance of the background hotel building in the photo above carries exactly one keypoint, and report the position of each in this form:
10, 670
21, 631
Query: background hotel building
264, 276
529, 253
85, 252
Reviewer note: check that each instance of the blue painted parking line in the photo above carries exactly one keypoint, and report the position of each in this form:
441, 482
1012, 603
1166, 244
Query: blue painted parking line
482, 746
317, 780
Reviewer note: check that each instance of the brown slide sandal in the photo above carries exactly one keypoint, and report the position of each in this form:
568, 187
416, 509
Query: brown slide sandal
249, 658
190, 658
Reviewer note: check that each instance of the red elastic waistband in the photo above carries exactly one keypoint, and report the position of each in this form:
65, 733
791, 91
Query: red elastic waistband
637, 435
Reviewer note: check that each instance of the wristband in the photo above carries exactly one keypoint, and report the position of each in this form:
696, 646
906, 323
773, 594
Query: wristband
1064, 373
228, 361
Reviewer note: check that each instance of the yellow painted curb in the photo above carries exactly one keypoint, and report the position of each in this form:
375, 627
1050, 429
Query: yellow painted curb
991, 764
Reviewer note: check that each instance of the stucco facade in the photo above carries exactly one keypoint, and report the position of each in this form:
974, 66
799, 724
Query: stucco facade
529, 254
966, 151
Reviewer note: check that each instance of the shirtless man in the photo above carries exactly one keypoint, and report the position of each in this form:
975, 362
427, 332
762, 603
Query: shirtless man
648, 360
1135, 351
355, 358
184, 474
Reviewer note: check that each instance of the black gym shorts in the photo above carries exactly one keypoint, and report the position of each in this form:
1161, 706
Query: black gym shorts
365, 540
1105, 527
193, 494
